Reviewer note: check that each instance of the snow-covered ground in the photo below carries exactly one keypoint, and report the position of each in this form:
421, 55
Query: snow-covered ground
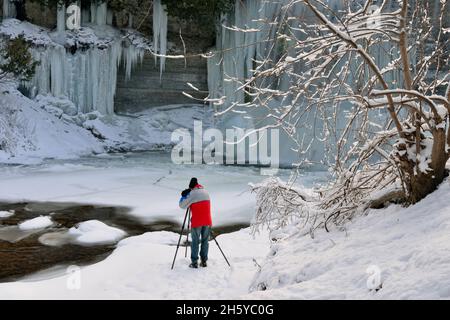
409, 248
140, 269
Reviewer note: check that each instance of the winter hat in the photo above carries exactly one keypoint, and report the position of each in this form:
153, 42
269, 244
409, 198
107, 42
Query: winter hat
193, 183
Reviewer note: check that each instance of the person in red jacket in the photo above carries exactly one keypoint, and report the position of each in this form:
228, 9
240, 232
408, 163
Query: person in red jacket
197, 199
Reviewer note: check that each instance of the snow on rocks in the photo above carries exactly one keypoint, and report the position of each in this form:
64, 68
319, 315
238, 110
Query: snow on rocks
12, 28
95, 232
6, 214
30, 133
41, 222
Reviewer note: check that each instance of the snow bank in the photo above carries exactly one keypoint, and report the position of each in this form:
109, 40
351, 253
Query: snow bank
28, 131
41, 222
408, 248
6, 214
95, 232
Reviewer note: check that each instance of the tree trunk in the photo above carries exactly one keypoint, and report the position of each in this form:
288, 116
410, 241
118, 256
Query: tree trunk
422, 184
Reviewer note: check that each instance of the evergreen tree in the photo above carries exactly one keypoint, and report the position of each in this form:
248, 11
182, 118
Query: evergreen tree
17, 59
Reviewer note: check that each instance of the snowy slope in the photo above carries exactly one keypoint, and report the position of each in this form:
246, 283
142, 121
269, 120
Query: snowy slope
29, 132
409, 246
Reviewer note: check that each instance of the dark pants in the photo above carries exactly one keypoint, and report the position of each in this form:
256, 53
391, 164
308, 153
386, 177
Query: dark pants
200, 237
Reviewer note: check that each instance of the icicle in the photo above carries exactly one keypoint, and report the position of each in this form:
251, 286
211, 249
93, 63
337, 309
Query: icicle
58, 73
214, 77
109, 17
93, 11
132, 54
87, 77
242, 49
130, 20
9, 10
61, 18
101, 13
160, 33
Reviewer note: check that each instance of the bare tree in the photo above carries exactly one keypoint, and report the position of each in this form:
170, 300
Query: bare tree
376, 78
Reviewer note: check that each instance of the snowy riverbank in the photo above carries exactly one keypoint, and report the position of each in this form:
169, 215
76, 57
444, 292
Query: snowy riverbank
140, 269
33, 130
408, 245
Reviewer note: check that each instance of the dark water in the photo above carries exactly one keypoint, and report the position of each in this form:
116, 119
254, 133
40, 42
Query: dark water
22, 253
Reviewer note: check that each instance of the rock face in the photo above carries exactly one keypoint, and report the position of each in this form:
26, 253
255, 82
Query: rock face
145, 90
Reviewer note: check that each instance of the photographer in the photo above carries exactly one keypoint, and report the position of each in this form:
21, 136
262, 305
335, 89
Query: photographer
197, 199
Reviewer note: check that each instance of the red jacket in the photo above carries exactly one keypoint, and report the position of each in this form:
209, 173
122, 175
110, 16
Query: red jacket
200, 205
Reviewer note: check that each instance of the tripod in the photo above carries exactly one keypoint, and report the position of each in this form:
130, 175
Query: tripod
188, 213
179, 240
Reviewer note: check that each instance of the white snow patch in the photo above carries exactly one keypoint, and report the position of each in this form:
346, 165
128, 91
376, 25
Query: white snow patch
41, 222
94, 231
6, 214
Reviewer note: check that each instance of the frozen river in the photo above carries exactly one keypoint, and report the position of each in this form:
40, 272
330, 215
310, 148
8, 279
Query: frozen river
148, 183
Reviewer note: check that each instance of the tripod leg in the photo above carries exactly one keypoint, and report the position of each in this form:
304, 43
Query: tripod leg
179, 240
187, 237
214, 238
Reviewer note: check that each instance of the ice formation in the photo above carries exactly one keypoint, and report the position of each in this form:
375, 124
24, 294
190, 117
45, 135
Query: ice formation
160, 33
80, 65
9, 10
61, 18
241, 42
245, 37
101, 14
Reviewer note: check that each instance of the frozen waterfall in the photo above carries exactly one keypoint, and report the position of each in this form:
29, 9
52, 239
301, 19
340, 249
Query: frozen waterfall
9, 10
101, 13
160, 33
245, 37
82, 65
61, 17
87, 78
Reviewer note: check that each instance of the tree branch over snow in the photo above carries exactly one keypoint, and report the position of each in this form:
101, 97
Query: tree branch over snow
370, 85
